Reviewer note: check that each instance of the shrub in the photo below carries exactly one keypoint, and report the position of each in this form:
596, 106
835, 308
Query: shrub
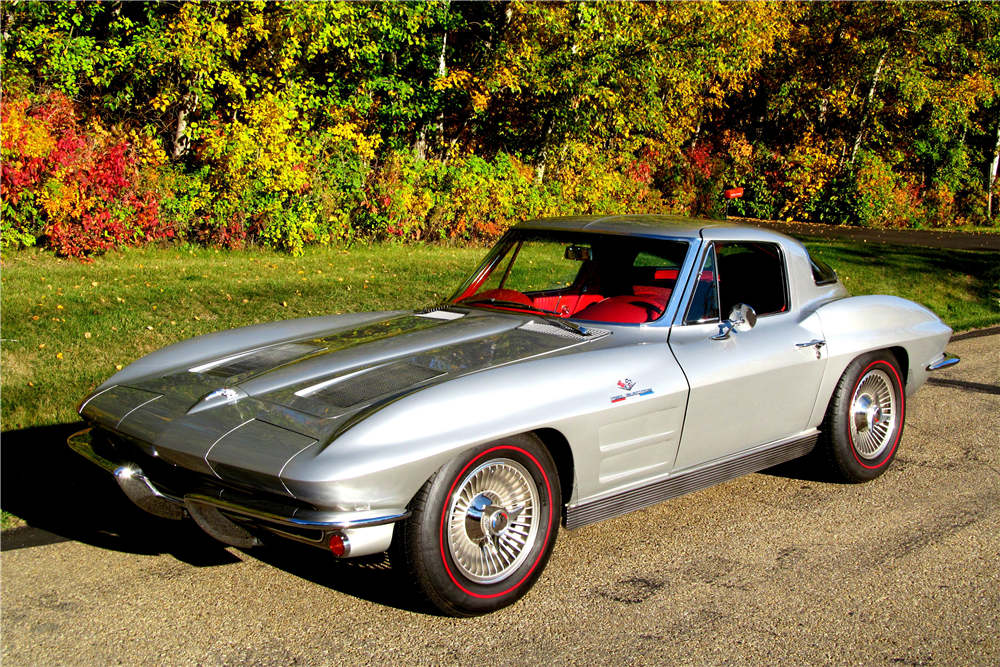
80, 193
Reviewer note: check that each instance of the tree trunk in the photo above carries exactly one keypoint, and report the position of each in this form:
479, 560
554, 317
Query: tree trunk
442, 71
867, 104
182, 142
543, 154
991, 176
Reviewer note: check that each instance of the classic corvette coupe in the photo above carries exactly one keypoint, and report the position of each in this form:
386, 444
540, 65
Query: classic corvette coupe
589, 367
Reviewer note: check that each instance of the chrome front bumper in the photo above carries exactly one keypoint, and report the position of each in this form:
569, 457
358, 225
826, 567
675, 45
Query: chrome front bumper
367, 531
947, 359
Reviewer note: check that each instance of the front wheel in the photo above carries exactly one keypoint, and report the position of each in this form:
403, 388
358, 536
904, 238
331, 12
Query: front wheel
864, 421
483, 527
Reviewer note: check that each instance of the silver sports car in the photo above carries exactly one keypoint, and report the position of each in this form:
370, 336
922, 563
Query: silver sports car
590, 366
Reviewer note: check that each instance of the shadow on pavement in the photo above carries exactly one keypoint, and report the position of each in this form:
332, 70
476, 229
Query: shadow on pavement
809, 468
370, 578
63, 497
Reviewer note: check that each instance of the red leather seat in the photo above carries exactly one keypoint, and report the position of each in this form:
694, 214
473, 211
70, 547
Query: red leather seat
624, 309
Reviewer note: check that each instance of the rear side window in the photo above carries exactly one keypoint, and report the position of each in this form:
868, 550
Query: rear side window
823, 274
751, 273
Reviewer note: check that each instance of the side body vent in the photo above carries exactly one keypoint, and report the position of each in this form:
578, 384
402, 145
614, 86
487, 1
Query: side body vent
361, 387
265, 359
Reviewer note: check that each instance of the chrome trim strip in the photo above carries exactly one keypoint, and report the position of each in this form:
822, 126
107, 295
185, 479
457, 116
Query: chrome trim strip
207, 462
945, 361
689, 481
84, 404
285, 486
266, 510
136, 408
218, 362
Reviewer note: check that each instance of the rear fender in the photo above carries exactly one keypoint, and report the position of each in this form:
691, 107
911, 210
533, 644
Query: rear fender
860, 324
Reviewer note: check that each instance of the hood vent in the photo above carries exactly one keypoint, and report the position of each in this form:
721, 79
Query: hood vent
553, 330
253, 362
360, 387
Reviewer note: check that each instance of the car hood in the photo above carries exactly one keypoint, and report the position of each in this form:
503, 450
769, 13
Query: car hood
257, 406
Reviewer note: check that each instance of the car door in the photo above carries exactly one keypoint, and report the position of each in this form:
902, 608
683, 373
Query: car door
753, 387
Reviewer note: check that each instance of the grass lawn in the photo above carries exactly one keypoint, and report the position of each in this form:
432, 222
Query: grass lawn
67, 326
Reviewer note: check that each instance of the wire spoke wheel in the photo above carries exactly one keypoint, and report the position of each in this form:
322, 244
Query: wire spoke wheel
873, 414
492, 520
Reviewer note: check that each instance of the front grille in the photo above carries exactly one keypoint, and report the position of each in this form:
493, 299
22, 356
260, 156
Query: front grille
263, 359
376, 382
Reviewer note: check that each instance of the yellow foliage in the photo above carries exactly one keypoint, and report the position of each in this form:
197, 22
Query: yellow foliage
29, 134
366, 145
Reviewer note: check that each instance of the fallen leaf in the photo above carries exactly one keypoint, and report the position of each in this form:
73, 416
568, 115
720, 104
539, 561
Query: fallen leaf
31, 384
246, 300
118, 367
172, 322
42, 346
86, 334
149, 328
93, 284
59, 307
284, 305
197, 318
59, 356
35, 317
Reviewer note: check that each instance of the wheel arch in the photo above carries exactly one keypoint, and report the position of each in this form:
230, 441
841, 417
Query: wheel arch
562, 454
903, 359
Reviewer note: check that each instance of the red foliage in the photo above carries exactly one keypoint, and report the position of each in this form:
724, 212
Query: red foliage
85, 191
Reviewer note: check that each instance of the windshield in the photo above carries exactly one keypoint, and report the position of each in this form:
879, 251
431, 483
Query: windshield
593, 277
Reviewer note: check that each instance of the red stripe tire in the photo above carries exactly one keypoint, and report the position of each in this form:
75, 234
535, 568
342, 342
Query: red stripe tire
483, 527
864, 421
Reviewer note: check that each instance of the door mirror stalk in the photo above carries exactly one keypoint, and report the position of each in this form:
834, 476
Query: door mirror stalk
741, 318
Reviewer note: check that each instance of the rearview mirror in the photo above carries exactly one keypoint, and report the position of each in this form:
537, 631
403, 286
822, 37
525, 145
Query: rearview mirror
741, 318
579, 253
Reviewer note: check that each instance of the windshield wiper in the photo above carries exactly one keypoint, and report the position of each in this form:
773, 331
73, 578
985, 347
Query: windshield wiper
549, 316
507, 304
568, 326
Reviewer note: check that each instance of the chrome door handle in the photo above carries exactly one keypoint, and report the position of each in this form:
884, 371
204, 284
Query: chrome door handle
816, 343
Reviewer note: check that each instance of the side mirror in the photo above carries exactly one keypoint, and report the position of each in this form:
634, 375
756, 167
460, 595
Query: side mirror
579, 253
741, 318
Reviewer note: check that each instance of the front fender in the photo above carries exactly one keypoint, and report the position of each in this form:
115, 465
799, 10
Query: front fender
389, 455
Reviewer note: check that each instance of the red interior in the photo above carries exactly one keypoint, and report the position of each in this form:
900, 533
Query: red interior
646, 293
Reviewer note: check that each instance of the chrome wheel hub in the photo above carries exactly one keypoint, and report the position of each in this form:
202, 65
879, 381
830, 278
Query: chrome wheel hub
873, 414
491, 521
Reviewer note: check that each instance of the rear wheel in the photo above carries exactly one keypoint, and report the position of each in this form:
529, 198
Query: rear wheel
483, 527
864, 421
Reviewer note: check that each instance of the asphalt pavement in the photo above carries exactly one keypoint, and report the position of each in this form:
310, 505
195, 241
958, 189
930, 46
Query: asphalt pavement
782, 567
928, 238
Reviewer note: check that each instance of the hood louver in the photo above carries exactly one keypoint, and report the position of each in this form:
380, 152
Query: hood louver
360, 387
265, 359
